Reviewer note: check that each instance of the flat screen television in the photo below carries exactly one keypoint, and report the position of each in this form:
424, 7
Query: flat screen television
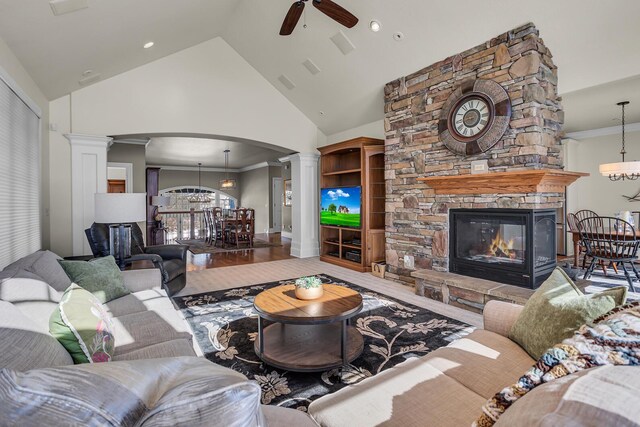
340, 206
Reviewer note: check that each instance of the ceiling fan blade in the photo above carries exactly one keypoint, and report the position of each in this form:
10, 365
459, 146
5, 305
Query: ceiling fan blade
292, 18
336, 12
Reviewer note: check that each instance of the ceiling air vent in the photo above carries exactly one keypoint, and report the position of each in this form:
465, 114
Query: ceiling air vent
311, 66
60, 7
286, 82
343, 43
89, 79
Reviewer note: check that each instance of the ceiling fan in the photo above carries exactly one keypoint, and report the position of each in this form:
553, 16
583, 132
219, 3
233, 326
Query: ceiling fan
328, 7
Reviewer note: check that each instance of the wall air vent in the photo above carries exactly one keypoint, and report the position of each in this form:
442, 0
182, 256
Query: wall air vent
85, 81
60, 7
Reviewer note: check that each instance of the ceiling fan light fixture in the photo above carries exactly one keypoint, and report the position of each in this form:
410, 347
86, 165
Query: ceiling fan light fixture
621, 171
374, 26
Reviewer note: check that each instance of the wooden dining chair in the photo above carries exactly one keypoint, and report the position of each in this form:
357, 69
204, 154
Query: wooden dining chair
242, 230
218, 233
613, 241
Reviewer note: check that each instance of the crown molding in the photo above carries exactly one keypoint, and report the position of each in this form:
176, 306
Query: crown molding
192, 169
594, 133
132, 141
259, 166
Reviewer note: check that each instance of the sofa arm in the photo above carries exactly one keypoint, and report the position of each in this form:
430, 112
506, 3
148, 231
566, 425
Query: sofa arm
499, 316
169, 251
141, 280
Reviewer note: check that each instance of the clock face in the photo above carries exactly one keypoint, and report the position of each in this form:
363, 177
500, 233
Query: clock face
474, 117
471, 117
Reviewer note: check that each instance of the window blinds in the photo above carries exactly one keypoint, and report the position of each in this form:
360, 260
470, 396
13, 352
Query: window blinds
19, 178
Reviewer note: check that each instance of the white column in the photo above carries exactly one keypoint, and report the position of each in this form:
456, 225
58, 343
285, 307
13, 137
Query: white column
88, 177
304, 210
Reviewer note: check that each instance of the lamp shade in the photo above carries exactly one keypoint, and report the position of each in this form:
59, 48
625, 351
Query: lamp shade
620, 168
160, 200
118, 208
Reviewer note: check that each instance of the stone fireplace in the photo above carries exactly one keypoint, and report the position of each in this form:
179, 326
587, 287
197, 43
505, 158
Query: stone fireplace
514, 246
425, 180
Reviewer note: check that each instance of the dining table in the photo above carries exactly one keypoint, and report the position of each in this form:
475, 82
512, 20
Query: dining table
576, 237
227, 223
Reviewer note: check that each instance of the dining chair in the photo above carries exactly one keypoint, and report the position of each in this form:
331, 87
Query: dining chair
610, 240
242, 230
219, 233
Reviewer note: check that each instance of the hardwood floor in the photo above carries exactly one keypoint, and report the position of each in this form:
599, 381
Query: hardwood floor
242, 257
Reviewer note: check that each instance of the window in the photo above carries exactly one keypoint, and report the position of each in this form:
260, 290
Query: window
19, 176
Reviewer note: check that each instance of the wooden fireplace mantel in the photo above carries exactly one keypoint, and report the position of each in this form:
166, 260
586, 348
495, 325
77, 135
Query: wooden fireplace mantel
524, 181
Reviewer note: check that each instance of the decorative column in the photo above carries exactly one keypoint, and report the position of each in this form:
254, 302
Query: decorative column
88, 177
305, 205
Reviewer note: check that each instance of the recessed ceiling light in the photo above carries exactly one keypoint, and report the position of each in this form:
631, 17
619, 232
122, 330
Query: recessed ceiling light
86, 73
374, 26
148, 45
322, 113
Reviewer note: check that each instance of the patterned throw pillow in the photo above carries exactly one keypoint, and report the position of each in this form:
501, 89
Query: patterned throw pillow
100, 276
613, 339
83, 326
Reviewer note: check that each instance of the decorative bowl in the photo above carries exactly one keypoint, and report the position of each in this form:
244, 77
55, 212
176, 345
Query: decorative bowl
309, 288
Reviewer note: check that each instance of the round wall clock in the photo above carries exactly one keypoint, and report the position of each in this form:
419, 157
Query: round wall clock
474, 117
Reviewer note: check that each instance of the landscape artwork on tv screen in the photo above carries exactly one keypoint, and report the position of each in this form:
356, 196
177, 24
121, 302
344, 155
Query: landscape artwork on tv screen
340, 206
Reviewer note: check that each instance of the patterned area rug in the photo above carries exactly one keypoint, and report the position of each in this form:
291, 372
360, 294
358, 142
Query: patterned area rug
200, 247
225, 325
600, 282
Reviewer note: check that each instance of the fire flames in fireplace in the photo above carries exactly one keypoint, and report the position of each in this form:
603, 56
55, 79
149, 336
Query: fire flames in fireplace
501, 249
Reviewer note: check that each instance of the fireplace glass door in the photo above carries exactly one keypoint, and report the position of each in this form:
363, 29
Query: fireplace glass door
495, 240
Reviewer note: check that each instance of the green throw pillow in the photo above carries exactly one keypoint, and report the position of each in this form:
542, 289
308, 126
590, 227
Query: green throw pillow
557, 309
83, 326
100, 276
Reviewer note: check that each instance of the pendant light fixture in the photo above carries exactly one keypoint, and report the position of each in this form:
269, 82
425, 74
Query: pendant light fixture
198, 196
621, 171
227, 182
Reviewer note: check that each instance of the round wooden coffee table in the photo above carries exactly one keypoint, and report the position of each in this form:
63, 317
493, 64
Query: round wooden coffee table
308, 336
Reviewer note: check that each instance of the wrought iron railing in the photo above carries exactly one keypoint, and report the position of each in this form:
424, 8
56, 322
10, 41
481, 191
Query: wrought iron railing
183, 225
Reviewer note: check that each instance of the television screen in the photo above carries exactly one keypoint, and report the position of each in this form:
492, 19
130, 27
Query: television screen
340, 206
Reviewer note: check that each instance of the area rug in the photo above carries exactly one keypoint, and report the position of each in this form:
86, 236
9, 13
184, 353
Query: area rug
199, 246
225, 326
600, 282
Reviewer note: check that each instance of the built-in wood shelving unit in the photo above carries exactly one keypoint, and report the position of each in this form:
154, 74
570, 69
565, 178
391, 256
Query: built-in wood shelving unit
356, 162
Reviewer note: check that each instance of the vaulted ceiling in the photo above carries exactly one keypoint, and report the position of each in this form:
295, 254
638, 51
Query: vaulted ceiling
593, 42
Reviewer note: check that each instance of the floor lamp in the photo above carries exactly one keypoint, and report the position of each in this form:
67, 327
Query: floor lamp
119, 210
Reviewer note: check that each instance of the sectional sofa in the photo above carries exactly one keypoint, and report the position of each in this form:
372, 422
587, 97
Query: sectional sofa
155, 361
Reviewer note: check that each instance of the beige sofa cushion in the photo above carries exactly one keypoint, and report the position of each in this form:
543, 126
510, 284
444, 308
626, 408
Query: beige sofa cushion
601, 396
411, 394
277, 416
445, 388
482, 361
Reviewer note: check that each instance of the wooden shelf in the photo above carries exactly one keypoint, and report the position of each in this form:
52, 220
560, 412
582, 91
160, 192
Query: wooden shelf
342, 172
525, 181
356, 162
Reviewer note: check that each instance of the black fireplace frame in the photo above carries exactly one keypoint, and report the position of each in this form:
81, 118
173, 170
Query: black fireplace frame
525, 275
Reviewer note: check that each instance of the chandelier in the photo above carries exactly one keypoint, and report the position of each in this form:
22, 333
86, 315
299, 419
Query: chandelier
198, 196
621, 171
227, 182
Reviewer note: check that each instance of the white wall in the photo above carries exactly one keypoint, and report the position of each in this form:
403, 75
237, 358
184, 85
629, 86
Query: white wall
206, 89
14, 69
371, 130
254, 193
596, 192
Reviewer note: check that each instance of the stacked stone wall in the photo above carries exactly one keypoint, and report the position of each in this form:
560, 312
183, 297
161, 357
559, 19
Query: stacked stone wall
417, 220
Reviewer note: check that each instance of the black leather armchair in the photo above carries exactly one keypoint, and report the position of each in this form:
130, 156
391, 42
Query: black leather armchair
170, 259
